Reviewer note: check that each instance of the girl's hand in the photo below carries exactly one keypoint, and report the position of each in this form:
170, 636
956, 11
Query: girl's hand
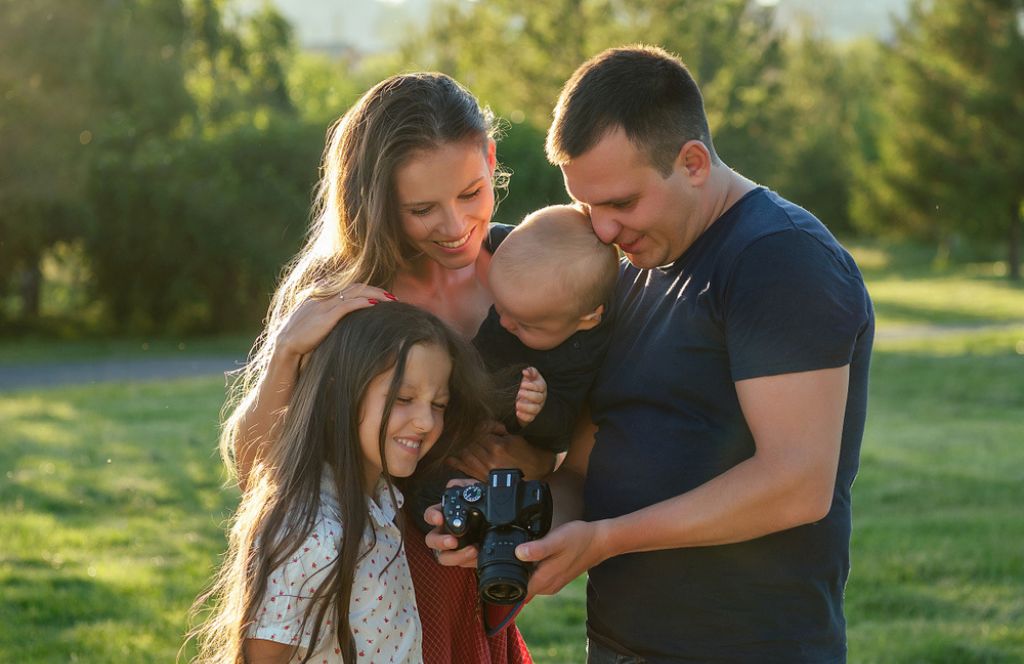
443, 544
533, 391
313, 320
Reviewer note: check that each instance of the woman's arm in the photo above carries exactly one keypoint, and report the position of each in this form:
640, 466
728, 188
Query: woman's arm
262, 411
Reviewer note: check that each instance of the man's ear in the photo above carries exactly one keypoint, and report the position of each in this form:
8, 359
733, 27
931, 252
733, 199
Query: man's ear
694, 159
591, 320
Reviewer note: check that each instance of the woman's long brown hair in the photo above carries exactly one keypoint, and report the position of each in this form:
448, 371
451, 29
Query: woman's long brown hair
356, 233
279, 510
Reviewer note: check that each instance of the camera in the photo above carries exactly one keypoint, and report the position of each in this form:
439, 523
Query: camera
499, 515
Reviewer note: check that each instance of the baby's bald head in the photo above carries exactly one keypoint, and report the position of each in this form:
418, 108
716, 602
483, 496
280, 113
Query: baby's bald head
553, 260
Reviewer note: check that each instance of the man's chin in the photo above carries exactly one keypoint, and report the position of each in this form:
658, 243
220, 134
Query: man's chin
640, 260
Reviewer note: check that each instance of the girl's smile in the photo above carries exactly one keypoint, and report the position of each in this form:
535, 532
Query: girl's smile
417, 415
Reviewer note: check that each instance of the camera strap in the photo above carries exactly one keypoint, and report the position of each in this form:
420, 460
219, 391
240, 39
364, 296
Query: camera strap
501, 614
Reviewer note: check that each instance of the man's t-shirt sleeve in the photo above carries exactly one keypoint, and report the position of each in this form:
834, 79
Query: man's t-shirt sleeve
792, 304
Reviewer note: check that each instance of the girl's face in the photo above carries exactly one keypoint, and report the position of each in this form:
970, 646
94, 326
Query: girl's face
417, 416
446, 199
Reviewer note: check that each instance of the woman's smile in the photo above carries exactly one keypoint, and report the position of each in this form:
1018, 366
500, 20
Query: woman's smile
456, 244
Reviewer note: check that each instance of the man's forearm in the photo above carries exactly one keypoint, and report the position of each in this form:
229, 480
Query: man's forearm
757, 497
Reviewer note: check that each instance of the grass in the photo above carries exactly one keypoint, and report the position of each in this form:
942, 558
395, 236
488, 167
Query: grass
112, 504
36, 350
908, 290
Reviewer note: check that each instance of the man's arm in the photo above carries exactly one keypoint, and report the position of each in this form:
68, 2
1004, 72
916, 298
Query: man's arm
797, 423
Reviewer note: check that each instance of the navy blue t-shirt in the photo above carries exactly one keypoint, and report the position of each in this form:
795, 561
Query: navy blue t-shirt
764, 290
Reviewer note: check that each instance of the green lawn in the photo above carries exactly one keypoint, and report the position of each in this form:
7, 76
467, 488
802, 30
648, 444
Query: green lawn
112, 503
31, 350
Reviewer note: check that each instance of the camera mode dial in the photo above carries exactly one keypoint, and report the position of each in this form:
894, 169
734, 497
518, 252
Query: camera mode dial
472, 493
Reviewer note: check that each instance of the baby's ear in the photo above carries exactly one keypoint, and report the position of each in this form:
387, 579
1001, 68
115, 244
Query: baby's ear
591, 320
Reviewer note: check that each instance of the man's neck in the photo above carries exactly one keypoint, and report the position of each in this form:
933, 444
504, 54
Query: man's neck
725, 188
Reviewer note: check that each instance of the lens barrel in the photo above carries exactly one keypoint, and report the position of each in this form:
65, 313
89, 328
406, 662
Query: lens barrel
502, 576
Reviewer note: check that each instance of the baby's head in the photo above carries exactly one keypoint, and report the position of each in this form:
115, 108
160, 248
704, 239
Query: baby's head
552, 277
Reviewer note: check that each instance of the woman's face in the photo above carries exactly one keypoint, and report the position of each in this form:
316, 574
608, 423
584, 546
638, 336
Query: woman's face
446, 199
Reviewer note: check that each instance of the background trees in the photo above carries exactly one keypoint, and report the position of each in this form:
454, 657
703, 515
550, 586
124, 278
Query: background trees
949, 164
168, 148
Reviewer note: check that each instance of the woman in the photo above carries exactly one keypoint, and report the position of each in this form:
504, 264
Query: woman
403, 212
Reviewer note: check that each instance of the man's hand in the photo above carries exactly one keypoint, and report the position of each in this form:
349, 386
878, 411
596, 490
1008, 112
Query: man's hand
563, 554
533, 392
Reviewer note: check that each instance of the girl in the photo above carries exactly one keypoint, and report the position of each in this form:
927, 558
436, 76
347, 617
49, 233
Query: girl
316, 570
405, 204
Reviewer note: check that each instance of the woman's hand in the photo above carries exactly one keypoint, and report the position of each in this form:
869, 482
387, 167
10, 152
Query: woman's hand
313, 320
500, 449
533, 392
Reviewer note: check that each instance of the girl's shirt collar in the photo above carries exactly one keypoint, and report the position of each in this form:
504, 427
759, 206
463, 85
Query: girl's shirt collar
379, 504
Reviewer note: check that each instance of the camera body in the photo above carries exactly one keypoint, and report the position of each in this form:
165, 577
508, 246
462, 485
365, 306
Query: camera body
499, 515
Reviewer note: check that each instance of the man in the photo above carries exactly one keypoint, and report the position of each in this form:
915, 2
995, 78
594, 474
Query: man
727, 418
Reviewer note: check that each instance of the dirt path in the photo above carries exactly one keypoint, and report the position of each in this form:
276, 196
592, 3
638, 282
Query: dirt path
45, 375
930, 331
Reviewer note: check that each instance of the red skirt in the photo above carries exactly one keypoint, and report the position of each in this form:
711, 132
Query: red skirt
449, 607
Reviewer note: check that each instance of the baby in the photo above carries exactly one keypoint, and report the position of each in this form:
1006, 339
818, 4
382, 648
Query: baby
552, 280
547, 333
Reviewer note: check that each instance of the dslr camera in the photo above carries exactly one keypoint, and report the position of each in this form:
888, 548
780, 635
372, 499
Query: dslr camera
499, 515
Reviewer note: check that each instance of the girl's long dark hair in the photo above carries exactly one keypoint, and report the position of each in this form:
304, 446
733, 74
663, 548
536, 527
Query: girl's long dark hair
321, 430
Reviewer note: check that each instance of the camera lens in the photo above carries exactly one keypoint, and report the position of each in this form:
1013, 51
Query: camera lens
503, 593
503, 577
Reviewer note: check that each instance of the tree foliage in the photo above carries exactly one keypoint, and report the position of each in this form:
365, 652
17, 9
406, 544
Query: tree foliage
773, 107
950, 141
161, 137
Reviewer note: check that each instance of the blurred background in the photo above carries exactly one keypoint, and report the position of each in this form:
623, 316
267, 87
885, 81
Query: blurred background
157, 163
159, 155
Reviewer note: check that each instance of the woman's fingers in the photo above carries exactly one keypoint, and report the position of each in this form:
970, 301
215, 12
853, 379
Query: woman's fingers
314, 319
355, 291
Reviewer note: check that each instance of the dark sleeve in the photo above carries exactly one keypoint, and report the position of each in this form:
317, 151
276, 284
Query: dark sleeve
552, 428
792, 304
570, 375
496, 234
569, 371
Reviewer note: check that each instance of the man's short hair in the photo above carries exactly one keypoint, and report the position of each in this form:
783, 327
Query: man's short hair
646, 91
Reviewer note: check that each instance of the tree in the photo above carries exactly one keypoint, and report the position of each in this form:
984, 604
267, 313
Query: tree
950, 140
198, 205
515, 57
45, 133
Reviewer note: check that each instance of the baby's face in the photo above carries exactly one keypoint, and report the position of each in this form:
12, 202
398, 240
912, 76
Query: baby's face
537, 315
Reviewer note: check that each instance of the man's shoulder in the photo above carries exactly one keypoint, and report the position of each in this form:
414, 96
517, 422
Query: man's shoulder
769, 226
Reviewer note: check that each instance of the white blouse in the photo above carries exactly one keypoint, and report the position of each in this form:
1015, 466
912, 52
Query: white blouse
382, 613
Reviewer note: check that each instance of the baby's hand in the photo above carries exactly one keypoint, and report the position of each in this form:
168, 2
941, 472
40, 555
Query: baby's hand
533, 391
